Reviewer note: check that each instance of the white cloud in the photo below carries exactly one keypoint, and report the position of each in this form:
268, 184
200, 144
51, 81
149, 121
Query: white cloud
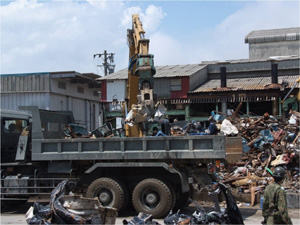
228, 37
98, 4
63, 35
127, 15
226, 40
166, 49
151, 18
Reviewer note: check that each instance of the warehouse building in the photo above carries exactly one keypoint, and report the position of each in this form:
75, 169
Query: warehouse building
259, 85
172, 84
255, 85
63, 91
274, 42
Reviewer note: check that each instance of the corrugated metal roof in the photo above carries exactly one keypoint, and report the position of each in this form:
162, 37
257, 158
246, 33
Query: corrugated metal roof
250, 60
24, 74
237, 84
91, 75
189, 69
273, 35
14, 113
161, 72
119, 75
88, 75
38, 78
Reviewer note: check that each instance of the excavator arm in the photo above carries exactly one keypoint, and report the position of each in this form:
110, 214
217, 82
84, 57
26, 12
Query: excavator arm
141, 66
140, 72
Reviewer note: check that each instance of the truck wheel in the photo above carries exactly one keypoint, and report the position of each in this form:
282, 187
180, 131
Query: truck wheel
110, 192
173, 192
152, 196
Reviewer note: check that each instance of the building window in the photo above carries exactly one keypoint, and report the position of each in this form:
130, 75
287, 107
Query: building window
62, 85
96, 93
80, 90
176, 84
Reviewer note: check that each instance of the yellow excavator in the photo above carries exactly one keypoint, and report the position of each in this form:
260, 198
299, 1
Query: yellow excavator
140, 74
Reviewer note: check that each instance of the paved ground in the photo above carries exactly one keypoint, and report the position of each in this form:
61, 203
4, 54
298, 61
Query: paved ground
251, 215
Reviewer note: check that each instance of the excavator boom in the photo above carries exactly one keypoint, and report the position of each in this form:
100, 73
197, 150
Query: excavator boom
141, 65
140, 71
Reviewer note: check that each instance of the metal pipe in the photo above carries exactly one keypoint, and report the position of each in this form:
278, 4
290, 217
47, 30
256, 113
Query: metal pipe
35, 179
274, 70
223, 77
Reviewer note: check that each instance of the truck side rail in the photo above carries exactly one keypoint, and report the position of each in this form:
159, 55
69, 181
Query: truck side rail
171, 147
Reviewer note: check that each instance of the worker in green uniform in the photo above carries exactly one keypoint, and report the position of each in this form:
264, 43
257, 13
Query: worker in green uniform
275, 205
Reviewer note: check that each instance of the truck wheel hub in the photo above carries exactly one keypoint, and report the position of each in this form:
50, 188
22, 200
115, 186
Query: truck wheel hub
151, 198
105, 197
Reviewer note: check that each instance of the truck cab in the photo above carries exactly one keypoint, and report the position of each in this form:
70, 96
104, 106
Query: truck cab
12, 125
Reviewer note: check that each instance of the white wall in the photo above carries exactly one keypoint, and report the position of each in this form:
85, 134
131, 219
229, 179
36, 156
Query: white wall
58, 102
71, 89
13, 100
116, 90
265, 50
37, 90
79, 110
81, 104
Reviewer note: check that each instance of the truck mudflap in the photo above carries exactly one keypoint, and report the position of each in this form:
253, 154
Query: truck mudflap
183, 178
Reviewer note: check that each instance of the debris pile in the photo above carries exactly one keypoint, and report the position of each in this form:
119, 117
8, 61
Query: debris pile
141, 219
70, 209
267, 143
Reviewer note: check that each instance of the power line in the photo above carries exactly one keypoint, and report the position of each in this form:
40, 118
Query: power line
108, 62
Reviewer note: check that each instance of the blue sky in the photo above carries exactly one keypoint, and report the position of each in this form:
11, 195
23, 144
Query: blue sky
46, 36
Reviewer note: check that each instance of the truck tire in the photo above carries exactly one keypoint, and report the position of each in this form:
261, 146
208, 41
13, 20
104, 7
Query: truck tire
152, 196
110, 192
173, 192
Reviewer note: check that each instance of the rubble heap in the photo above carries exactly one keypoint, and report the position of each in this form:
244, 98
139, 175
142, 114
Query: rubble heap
267, 143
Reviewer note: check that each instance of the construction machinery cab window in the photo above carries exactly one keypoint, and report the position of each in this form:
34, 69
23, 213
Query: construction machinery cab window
176, 84
13, 125
11, 130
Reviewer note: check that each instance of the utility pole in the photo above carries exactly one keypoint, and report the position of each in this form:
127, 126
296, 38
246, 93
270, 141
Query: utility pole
108, 62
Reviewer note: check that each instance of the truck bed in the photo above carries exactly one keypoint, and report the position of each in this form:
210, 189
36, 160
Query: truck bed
141, 148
